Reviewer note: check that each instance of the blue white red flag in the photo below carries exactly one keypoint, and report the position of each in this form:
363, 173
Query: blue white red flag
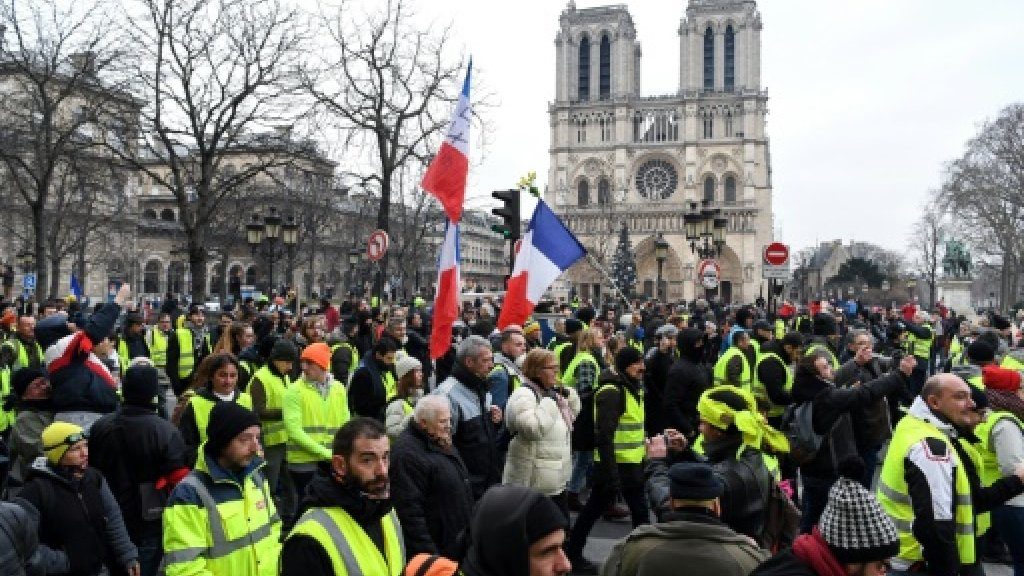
548, 249
446, 304
446, 176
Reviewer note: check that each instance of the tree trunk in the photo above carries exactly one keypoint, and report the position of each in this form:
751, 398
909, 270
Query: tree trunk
197, 264
39, 248
54, 275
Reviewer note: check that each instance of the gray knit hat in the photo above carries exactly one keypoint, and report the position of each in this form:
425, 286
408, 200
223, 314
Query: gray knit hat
855, 526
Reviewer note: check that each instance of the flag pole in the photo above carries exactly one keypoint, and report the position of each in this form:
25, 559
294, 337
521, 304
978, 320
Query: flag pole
596, 264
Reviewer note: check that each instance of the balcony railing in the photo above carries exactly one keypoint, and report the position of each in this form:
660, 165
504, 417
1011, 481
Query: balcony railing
650, 218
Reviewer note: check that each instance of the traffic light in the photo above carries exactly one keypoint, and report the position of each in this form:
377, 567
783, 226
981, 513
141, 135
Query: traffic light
509, 213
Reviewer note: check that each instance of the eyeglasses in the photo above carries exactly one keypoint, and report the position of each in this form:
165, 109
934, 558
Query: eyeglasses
70, 440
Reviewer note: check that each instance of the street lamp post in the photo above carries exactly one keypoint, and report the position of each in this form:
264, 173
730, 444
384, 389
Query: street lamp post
705, 230
353, 261
268, 232
660, 254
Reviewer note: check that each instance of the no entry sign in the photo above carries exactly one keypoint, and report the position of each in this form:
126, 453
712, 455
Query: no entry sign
776, 254
378, 245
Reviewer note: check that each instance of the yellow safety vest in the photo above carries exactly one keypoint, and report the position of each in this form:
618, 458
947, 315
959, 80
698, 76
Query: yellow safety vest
920, 347
513, 379
558, 355
780, 329
989, 471
241, 535
758, 387
21, 360
569, 378
186, 354
201, 408
723, 361
274, 388
157, 342
894, 496
629, 433
320, 417
350, 549
1011, 363
957, 354
390, 386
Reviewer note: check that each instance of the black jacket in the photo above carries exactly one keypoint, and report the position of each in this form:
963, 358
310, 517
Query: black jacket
687, 379
366, 394
608, 408
773, 375
132, 447
432, 493
829, 405
302, 555
658, 364
785, 563
872, 424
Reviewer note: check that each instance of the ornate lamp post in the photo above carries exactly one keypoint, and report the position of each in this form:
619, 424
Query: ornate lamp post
660, 254
267, 233
705, 230
353, 261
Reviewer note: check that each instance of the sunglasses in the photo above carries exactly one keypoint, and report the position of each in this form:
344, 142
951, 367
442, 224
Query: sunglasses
70, 440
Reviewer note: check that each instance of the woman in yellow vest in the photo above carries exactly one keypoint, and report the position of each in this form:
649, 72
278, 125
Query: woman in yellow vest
409, 389
267, 388
216, 380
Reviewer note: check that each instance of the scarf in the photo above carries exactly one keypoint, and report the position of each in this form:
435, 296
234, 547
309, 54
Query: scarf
814, 551
560, 401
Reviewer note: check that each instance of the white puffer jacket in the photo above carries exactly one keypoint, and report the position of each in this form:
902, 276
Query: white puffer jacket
539, 455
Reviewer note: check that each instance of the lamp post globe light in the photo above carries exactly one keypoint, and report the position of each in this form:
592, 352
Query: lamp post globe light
660, 254
267, 233
705, 230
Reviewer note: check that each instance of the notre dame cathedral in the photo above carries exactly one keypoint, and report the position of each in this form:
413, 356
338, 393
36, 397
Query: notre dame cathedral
618, 156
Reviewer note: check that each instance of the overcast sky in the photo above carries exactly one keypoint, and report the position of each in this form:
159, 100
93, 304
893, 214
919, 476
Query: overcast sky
867, 98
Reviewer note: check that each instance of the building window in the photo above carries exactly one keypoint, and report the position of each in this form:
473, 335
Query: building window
606, 68
176, 277
583, 190
709, 189
728, 124
730, 189
167, 214
709, 127
584, 70
149, 214
730, 59
581, 131
656, 180
606, 123
709, 59
604, 192
151, 277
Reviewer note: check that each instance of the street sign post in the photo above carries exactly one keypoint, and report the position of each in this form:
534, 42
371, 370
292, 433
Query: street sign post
377, 246
29, 281
709, 273
776, 254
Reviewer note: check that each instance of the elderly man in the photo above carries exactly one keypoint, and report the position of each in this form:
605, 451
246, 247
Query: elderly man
929, 482
432, 493
475, 419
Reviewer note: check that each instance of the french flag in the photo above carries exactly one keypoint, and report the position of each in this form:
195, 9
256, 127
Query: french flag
446, 176
446, 304
548, 249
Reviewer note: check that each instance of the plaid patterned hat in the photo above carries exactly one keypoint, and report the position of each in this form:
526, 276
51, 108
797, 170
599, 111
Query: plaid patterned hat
855, 526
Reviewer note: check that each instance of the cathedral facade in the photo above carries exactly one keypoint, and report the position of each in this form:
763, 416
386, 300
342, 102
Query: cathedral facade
618, 157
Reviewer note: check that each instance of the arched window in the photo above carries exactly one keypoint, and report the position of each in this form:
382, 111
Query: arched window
149, 214
250, 275
606, 68
709, 188
176, 277
604, 192
730, 59
584, 69
151, 277
709, 59
167, 214
583, 190
730, 189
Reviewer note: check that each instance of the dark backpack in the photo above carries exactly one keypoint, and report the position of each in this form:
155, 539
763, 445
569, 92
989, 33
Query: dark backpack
781, 521
798, 426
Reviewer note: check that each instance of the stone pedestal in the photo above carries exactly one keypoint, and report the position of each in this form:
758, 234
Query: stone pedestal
956, 294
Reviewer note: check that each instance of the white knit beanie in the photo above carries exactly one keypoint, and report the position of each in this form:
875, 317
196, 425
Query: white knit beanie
406, 364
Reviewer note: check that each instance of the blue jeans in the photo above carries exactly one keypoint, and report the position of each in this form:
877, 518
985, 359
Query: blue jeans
582, 464
1009, 521
151, 552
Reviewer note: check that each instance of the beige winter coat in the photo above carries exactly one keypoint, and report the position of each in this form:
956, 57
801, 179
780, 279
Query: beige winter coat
539, 455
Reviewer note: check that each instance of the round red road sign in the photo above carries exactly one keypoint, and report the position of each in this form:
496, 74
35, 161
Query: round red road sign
378, 245
776, 253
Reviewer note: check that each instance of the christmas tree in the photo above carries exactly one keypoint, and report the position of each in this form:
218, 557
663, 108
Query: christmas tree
624, 264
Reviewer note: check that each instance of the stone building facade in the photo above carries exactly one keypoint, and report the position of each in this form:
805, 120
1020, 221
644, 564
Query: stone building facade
618, 157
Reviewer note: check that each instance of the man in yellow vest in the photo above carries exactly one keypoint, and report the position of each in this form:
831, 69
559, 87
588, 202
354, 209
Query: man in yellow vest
773, 374
929, 482
220, 519
186, 349
267, 389
315, 407
919, 338
344, 354
132, 341
734, 365
19, 351
619, 457
373, 384
349, 527
824, 338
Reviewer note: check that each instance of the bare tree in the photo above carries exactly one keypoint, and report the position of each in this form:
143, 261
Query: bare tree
392, 87
929, 232
55, 109
216, 76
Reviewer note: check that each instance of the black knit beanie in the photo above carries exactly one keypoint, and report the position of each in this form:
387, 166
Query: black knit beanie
284, 350
141, 386
626, 357
227, 420
21, 379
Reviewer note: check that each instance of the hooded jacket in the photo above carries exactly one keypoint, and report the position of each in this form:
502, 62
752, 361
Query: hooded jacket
497, 535
19, 538
302, 555
658, 364
687, 379
366, 394
78, 379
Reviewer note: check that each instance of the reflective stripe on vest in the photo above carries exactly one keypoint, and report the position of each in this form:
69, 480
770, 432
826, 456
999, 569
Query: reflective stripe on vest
274, 388
920, 347
723, 361
350, 549
761, 393
352, 350
201, 408
390, 386
157, 342
894, 497
221, 547
122, 353
629, 433
569, 378
321, 418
